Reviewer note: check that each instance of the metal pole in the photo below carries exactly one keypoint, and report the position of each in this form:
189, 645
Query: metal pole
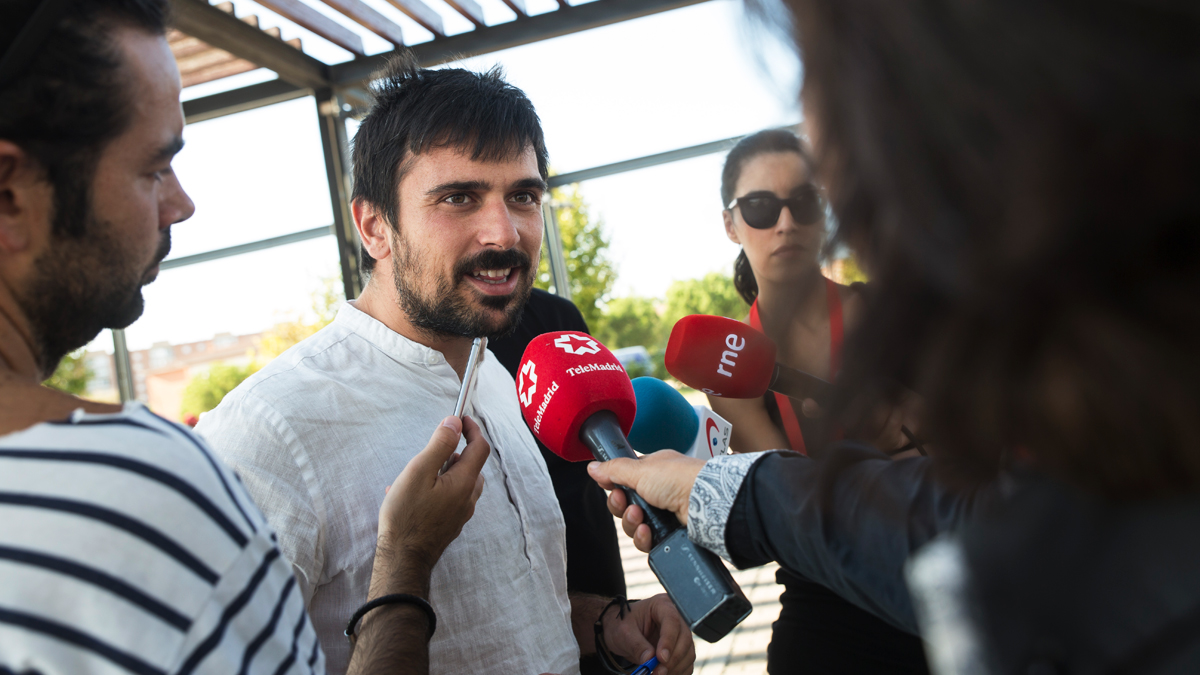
124, 370
337, 170
554, 249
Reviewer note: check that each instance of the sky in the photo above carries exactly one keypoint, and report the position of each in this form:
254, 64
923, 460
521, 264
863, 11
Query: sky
666, 81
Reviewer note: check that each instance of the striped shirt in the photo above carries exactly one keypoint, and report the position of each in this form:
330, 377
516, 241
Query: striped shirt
125, 547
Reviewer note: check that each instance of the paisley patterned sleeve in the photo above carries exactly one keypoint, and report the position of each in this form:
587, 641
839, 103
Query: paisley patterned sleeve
712, 497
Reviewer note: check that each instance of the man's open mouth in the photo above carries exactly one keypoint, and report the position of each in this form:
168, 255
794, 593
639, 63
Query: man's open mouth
499, 276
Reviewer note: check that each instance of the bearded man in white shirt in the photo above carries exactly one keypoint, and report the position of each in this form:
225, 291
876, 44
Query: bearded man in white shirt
449, 175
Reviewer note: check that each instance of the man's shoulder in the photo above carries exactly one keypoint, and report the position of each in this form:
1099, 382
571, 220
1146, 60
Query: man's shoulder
304, 357
127, 536
132, 438
555, 310
297, 370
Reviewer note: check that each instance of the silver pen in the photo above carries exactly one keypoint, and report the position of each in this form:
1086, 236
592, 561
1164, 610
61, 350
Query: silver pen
478, 347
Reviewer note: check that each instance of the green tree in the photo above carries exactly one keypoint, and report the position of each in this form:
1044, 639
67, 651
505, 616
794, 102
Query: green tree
72, 374
712, 294
630, 322
206, 390
852, 271
585, 247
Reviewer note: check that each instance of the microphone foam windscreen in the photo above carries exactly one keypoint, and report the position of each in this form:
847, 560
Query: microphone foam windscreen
563, 379
665, 420
720, 356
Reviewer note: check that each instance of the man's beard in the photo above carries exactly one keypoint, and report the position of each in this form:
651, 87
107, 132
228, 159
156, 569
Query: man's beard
82, 285
446, 312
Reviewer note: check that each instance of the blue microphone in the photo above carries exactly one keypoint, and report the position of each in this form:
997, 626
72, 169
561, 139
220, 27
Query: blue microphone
665, 420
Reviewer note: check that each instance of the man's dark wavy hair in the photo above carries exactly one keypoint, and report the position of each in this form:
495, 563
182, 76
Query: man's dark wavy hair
417, 109
1023, 177
72, 98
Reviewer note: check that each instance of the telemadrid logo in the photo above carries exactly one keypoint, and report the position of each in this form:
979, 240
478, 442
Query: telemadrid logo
589, 345
528, 370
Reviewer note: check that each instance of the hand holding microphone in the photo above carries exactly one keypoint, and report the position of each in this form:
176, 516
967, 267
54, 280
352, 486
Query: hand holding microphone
664, 478
579, 402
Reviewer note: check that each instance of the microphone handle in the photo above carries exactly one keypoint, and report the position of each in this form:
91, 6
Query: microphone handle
603, 436
800, 385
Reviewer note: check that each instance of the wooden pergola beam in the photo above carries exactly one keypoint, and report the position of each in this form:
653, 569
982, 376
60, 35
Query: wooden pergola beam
469, 9
224, 31
370, 19
306, 16
422, 14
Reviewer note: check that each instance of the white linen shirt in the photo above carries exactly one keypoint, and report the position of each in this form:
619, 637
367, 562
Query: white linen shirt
319, 433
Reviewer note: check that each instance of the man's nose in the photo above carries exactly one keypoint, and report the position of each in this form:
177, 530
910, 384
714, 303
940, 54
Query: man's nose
177, 205
497, 226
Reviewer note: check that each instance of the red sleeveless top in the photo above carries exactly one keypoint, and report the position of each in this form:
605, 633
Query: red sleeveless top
791, 420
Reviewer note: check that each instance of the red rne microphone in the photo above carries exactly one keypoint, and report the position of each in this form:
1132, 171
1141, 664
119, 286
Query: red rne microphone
578, 401
723, 357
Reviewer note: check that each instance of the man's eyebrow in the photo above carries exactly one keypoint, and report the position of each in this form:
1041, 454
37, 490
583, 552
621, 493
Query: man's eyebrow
531, 184
459, 186
169, 150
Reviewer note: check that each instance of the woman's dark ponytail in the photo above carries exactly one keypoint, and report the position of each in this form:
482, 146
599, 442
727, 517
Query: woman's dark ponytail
743, 278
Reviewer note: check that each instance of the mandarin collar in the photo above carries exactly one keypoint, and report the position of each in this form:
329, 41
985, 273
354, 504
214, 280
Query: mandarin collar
387, 340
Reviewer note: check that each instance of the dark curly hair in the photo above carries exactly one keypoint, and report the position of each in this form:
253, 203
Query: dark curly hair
1023, 176
417, 109
71, 99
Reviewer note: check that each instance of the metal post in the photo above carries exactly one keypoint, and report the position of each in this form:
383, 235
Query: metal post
337, 170
124, 370
554, 248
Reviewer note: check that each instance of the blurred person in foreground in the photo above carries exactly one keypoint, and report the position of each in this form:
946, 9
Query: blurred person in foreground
450, 169
124, 545
776, 213
1022, 177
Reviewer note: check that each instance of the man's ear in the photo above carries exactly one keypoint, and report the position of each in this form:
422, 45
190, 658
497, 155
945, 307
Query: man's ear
20, 204
372, 228
727, 216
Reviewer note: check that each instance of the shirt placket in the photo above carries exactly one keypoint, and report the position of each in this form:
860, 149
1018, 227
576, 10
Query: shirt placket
514, 487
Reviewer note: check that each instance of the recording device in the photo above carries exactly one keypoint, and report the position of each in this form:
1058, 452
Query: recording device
665, 420
467, 389
723, 357
579, 402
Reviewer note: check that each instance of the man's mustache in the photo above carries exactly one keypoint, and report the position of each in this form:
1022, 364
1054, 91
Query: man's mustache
164, 246
493, 260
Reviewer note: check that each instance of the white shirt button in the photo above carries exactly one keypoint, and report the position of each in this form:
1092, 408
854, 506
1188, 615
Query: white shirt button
432, 359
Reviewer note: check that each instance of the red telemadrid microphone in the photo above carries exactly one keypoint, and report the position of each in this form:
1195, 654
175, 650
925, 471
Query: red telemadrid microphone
723, 357
579, 402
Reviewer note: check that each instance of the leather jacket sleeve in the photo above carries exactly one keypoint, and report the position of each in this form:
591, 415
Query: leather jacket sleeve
848, 521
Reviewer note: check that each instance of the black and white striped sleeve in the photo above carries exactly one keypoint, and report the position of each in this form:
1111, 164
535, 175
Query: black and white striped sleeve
125, 546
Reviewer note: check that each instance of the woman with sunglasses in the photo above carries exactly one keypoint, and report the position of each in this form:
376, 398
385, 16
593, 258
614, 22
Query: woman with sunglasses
775, 212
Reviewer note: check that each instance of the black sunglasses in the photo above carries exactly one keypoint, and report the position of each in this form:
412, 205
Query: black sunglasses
761, 210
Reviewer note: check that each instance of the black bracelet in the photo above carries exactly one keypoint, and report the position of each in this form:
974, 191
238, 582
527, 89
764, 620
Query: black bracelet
611, 662
393, 599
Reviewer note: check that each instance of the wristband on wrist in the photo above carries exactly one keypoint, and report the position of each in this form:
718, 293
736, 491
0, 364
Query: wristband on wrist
611, 662
393, 599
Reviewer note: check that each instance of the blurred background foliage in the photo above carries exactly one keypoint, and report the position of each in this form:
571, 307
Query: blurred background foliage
627, 321
206, 390
72, 374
